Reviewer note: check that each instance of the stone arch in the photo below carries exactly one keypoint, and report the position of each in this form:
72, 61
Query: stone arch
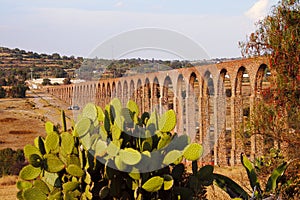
208, 113
168, 94
132, 90
224, 101
113, 90
125, 93
193, 112
119, 90
147, 95
108, 94
156, 95
262, 79
103, 101
181, 95
139, 95
242, 111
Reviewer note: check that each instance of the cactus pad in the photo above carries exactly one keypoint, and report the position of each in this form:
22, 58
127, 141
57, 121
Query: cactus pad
167, 121
42, 186
130, 156
83, 126
133, 107
168, 182
52, 142
67, 143
153, 184
75, 170
29, 172
29, 150
49, 127
172, 157
22, 185
34, 193
35, 160
90, 111
193, 152
53, 163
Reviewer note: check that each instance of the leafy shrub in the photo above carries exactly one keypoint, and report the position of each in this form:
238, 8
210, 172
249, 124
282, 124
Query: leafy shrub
11, 161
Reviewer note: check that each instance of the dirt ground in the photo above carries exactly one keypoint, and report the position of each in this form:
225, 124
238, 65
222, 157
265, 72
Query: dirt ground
21, 120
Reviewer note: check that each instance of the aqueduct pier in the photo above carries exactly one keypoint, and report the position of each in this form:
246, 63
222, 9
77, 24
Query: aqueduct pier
213, 102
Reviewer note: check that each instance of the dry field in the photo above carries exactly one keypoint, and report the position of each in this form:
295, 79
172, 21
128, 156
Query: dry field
21, 120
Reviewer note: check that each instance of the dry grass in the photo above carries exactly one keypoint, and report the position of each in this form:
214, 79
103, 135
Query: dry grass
8, 189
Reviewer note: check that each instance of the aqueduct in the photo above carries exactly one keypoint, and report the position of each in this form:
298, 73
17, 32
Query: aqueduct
212, 102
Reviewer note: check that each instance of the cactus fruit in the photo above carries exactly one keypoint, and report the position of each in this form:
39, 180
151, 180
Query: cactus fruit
193, 152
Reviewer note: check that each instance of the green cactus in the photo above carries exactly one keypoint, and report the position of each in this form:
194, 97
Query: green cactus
75, 170
193, 152
34, 193
52, 142
67, 143
29, 172
22, 185
153, 184
53, 163
130, 156
124, 156
173, 156
42, 186
63, 120
35, 160
167, 121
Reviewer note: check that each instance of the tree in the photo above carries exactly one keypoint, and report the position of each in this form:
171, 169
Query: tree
67, 81
277, 37
19, 91
46, 81
2, 92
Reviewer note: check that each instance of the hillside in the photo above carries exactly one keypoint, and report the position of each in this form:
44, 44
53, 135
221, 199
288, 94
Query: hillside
12, 60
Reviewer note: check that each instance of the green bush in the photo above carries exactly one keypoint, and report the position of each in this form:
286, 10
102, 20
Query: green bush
11, 161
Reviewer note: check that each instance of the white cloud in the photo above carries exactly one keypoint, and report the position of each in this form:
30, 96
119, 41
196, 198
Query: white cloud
119, 4
258, 10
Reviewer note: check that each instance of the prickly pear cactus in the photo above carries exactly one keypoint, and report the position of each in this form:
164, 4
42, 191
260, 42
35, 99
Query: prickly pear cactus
112, 153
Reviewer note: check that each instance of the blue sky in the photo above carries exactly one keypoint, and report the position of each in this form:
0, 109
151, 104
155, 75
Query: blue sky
77, 27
